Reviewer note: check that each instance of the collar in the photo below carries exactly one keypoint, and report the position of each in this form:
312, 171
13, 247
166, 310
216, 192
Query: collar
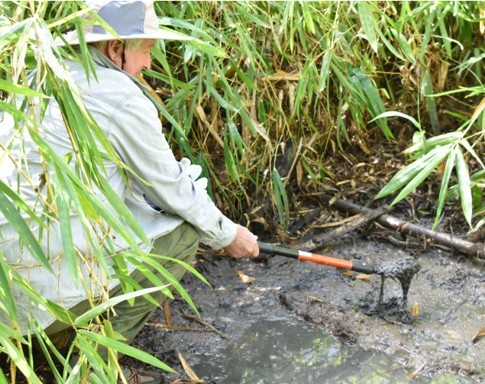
103, 61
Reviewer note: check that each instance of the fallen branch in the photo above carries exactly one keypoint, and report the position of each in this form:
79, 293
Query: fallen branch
466, 247
357, 221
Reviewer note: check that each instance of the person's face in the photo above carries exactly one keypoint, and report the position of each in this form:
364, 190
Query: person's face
135, 61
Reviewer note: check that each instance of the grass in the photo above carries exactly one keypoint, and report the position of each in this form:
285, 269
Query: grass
259, 99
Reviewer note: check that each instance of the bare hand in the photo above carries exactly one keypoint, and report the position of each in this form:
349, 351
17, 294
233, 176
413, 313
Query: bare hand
244, 245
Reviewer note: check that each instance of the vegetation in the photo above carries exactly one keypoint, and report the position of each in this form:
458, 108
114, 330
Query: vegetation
260, 80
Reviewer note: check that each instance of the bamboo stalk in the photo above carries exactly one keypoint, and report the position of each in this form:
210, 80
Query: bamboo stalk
466, 247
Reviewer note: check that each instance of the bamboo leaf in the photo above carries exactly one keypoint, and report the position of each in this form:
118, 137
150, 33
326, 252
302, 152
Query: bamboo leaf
433, 162
450, 163
464, 186
51, 354
230, 163
57, 311
440, 140
397, 114
368, 23
433, 115
99, 373
19, 89
125, 349
17, 356
10, 32
7, 302
25, 234
406, 174
465, 144
369, 94
64, 214
172, 280
12, 110
104, 306
281, 197
19, 202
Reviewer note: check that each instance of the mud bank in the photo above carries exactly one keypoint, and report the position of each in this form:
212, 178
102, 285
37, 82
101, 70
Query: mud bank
253, 305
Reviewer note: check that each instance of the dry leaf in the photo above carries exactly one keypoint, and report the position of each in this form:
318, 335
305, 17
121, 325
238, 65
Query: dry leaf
245, 278
188, 370
166, 310
479, 335
415, 309
314, 298
363, 276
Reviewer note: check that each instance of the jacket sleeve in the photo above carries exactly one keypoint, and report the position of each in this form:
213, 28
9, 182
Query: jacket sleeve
135, 132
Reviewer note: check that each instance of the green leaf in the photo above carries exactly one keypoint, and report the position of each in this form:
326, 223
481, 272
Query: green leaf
125, 349
19, 89
68, 248
12, 110
368, 93
104, 306
406, 174
59, 312
368, 23
429, 167
450, 163
281, 198
425, 145
25, 234
4, 188
427, 91
397, 114
51, 354
6, 295
17, 356
464, 186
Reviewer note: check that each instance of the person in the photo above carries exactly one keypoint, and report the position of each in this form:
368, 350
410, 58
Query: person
165, 195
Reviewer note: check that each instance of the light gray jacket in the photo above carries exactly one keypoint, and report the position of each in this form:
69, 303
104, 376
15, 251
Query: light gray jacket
131, 123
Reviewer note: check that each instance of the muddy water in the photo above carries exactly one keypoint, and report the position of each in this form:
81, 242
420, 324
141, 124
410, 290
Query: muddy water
307, 323
287, 351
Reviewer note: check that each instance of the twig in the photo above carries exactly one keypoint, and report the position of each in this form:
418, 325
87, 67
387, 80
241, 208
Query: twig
174, 327
200, 321
415, 372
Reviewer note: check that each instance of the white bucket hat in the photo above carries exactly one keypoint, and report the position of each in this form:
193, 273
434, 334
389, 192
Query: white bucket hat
130, 19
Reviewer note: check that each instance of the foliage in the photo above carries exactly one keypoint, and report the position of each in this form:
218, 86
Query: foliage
33, 71
313, 76
261, 81
447, 151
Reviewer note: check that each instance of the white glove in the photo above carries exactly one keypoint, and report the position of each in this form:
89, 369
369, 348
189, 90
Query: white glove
194, 172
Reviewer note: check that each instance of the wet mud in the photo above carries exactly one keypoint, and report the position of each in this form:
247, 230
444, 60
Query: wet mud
420, 326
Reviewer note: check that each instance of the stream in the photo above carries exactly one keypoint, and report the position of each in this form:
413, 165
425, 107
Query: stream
287, 321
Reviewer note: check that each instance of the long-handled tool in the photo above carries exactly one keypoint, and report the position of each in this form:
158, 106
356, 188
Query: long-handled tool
316, 258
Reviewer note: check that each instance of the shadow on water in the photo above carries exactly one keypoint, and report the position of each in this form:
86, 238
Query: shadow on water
274, 351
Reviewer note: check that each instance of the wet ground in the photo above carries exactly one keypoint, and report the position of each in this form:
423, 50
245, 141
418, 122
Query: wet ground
286, 321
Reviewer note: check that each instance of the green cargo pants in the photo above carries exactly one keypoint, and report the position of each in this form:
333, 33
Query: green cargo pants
181, 244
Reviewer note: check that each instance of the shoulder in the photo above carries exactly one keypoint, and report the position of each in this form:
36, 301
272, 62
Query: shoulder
105, 84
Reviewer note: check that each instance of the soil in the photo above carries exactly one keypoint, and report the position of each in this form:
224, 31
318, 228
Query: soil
436, 335
279, 320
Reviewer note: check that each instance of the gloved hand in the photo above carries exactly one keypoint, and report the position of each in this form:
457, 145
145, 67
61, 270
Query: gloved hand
194, 172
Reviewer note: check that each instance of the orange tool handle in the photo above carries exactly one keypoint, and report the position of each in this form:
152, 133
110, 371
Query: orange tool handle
326, 260
315, 258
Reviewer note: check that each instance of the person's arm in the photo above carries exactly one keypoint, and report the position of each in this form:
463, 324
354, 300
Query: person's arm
137, 137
